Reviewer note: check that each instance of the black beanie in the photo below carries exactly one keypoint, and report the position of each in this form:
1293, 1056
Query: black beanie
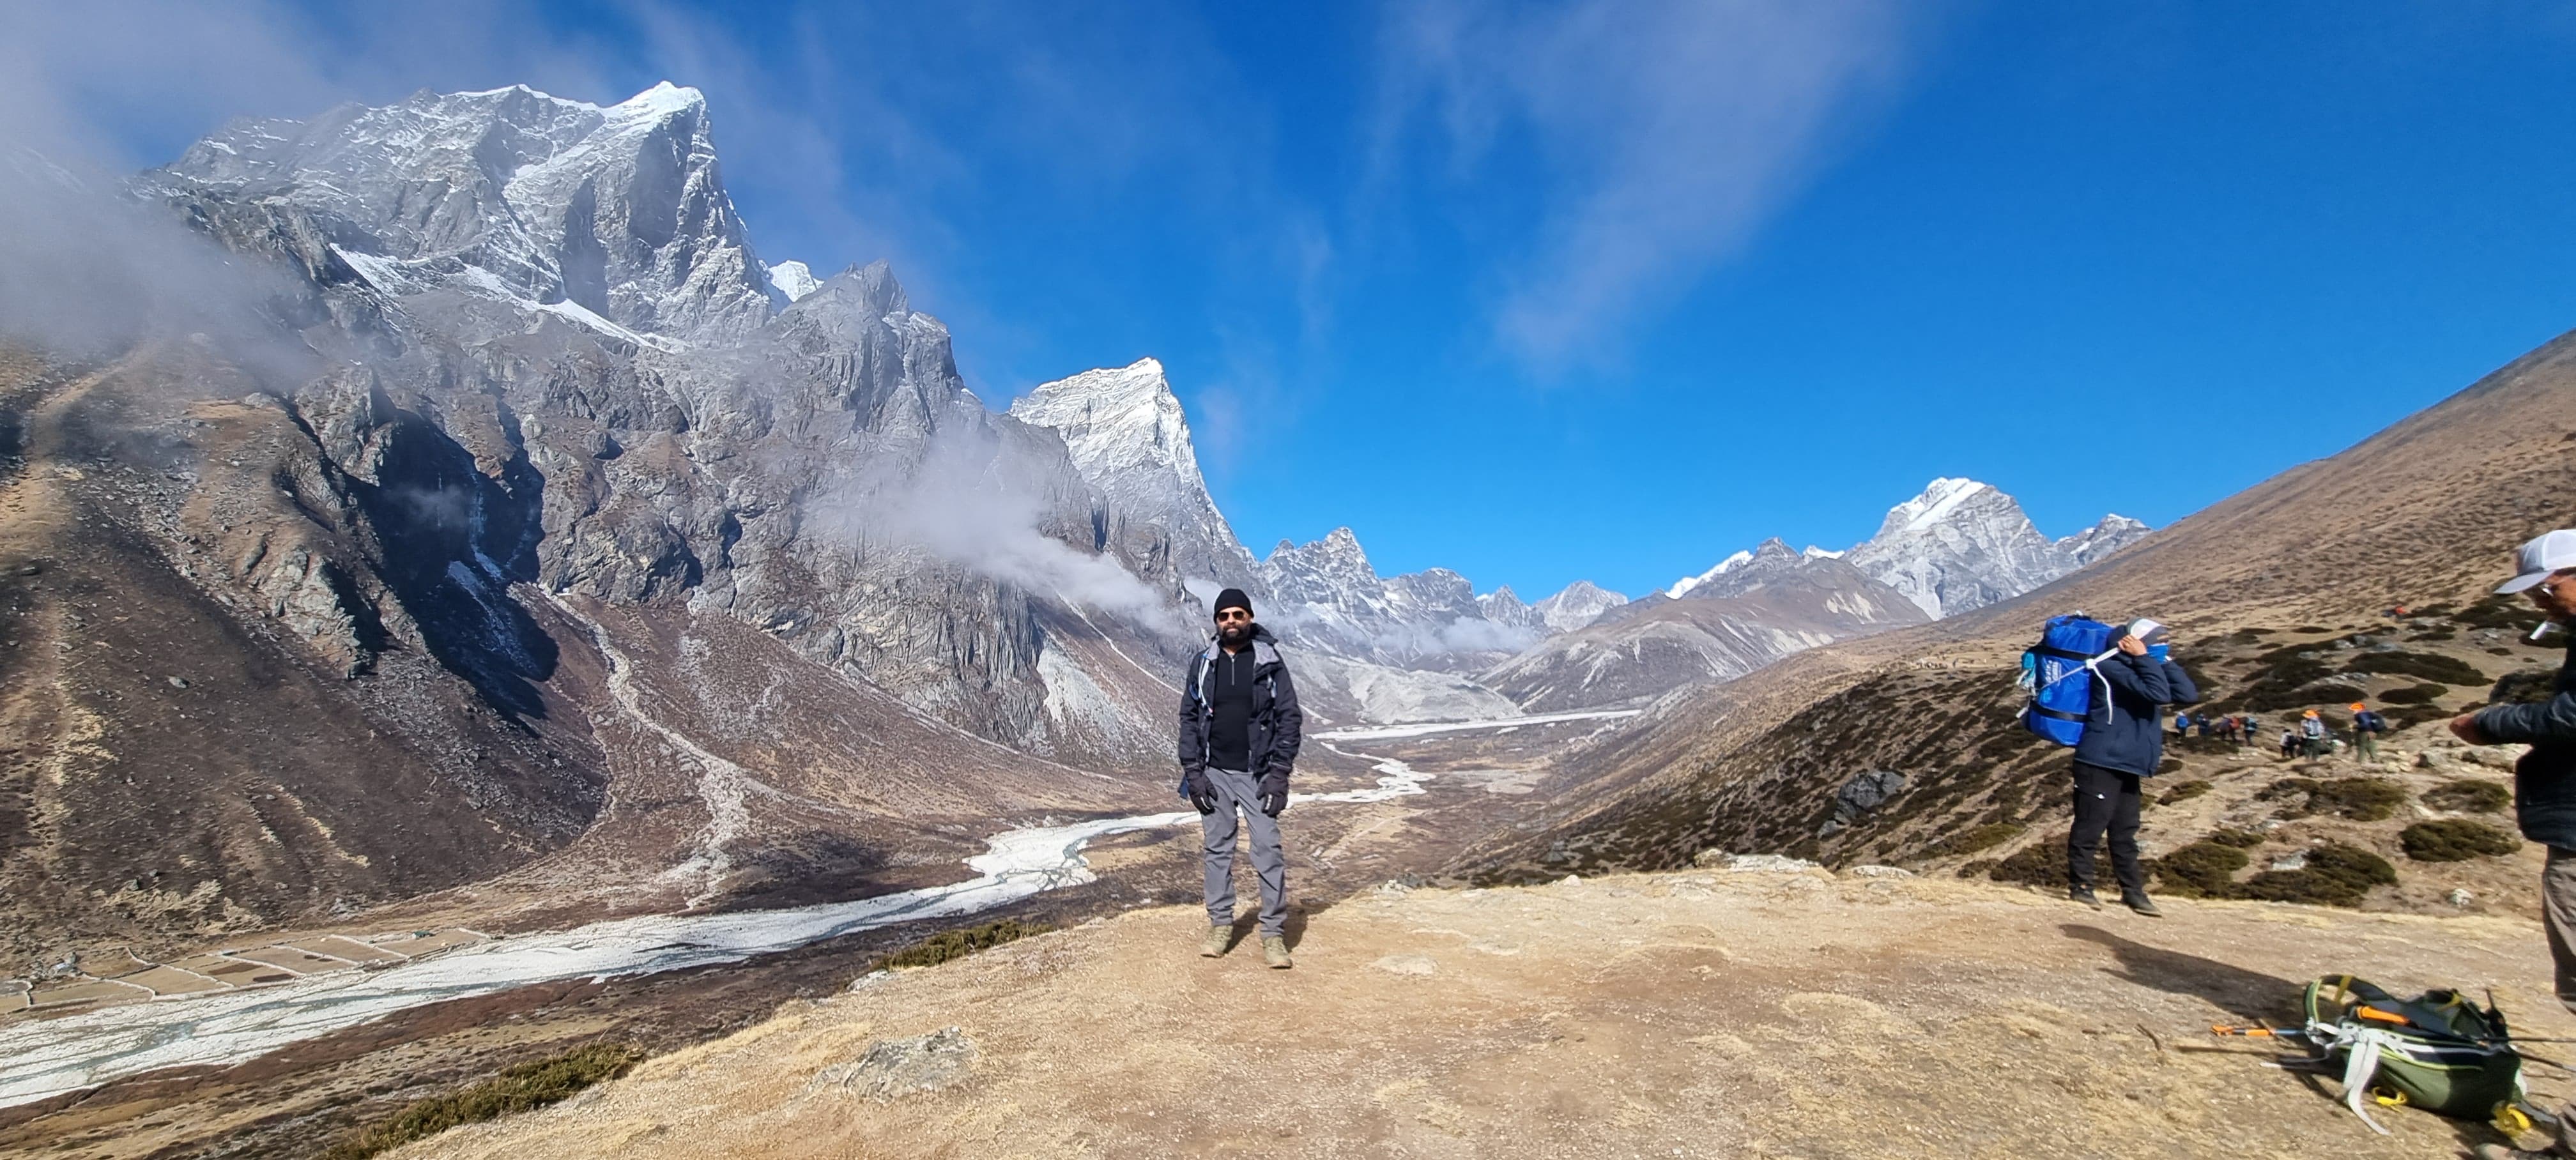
1232, 598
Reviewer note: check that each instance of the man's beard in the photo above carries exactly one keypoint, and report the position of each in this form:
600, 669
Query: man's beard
1234, 633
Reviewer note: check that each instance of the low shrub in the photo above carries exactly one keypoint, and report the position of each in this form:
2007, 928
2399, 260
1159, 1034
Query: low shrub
2469, 797
2241, 839
1985, 837
2414, 694
2200, 870
957, 944
518, 1088
2362, 799
2528, 687
2037, 864
2335, 875
2456, 840
2495, 611
2183, 792
2428, 666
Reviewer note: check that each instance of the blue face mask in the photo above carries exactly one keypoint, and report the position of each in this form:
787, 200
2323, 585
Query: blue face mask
2157, 652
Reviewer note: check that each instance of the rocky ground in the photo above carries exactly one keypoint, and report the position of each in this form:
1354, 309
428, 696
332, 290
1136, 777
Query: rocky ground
1693, 1013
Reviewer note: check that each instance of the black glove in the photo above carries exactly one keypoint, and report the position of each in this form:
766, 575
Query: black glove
1201, 792
1274, 794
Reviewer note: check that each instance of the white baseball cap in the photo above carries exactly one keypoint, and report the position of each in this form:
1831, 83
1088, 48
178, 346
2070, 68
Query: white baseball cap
2542, 555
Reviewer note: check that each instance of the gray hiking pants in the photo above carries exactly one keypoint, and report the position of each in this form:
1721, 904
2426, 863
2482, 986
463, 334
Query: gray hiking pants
1237, 791
2558, 913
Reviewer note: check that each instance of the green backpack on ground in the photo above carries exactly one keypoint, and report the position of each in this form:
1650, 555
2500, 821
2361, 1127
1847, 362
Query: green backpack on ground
2437, 1051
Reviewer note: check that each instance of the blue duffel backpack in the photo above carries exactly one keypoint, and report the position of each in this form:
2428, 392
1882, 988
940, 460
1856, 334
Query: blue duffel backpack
2058, 672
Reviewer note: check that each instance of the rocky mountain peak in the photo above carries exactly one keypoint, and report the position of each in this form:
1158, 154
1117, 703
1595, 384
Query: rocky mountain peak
1328, 570
2114, 532
615, 216
1963, 544
1578, 604
792, 280
1117, 421
1127, 435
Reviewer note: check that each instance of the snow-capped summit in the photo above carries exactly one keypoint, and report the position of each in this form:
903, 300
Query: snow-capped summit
1579, 604
1504, 607
793, 279
2115, 532
1964, 544
1129, 439
1683, 586
612, 215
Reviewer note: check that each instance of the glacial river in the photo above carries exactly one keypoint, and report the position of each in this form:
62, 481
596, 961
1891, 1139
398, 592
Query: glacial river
46, 1057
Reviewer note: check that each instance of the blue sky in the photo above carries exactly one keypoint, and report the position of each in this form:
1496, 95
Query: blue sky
1599, 290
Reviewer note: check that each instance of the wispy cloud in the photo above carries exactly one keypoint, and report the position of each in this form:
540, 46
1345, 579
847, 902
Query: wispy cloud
1665, 131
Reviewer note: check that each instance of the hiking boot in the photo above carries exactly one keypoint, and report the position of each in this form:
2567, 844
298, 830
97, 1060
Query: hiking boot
2137, 900
2083, 894
1219, 938
1274, 951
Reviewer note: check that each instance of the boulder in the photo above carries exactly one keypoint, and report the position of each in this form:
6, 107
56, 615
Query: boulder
899, 1067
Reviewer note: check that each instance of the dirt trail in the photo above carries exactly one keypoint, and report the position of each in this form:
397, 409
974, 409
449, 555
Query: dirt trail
1691, 1013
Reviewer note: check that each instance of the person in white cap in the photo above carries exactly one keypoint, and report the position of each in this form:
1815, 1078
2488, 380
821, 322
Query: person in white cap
2544, 781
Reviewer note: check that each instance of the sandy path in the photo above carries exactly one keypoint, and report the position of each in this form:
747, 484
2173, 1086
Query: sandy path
1692, 1014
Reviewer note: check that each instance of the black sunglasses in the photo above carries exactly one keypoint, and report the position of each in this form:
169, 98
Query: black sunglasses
1232, 614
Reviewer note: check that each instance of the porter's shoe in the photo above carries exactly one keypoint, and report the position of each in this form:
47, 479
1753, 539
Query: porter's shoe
2137, 900
1274, 951
2083, 894
1218, 939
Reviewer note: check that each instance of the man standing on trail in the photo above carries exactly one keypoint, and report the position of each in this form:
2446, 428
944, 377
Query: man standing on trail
2544, 780
2312, 734
1239, 733
2123, 743
2366, 728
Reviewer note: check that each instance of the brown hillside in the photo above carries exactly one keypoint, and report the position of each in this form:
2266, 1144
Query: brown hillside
2423, 513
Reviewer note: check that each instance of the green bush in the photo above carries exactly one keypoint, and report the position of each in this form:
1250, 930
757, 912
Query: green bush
2428, 666
2469, 797
2414, 694
2037, 864
2183, 792
2201, 870
1985, 837
518, 1088
2363, 799
2496, 611
957, 944
2528, 687
2335, 875
2456, 840
2241, 839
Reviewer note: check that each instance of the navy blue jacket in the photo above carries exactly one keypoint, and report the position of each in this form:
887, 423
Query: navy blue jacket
1277, 727
2544, 781
2125, 731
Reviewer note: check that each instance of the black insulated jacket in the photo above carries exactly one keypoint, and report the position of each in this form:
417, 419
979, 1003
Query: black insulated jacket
1274, 726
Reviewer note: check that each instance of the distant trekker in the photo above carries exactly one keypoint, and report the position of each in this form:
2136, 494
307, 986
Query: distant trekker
2544, 780
2289, 743
2250, 730
2366, 728
2123, 743
1239, 733
2312, 734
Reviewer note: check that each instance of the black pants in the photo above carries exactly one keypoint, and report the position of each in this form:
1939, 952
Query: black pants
2105, 800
